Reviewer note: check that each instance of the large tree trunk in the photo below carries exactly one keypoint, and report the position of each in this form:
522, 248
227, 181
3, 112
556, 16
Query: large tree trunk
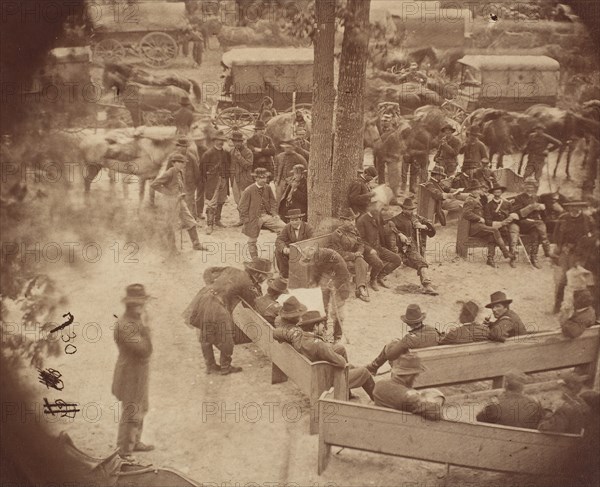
348, 148
321, 147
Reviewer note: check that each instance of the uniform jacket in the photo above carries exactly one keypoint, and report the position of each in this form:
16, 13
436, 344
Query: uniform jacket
537, 145
473, 209
390, 148
268, 307
263, 151
315, 348
474, 151
486, 177
576, 324
370, 228
404, 224
448, 150
284, 164
216, 165
496, 211
250, 208
241, 166
523, 206
569, 417
513, 409
191, 173
438, 190
359, 195
466, 333
327, 264
169, 183
346, 241
131, 376
288, 236
508, 325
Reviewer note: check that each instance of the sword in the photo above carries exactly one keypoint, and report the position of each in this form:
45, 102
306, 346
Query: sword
525, 250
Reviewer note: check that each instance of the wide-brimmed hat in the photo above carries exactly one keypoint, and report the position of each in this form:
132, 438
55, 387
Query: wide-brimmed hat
408, 364
582, 298
260, 172
310, 318
258, 264
176, 158
498, 298
185, 101
573, 380
496, 187
298, 168
448, 127
237, 136
260, 125
294, 213
277, 284
413, 315
135, 293
347, 214
182, 142
474, 131
575, 204
437, 169
370, 171
408, 204
219, 135
292, 308
468, 312
474, 185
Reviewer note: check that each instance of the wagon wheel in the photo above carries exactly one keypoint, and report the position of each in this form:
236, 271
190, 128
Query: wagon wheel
236, 118
157, 118
454, 111
109, 50
158, 49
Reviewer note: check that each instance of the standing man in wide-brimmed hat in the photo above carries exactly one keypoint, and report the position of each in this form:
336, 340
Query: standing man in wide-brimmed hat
538, 145
445, 198
191, 173
473, 149
284, 164
360, 192
295, 194
447, 153
184, 116
262, 148
258, 209
216, 163
508, 323
241, 165
267, 305
210, 310
294, 231
498, 214
473, 212
469, 330
398, 392
132, 371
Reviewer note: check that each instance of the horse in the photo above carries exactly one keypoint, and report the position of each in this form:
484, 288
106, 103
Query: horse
282, 127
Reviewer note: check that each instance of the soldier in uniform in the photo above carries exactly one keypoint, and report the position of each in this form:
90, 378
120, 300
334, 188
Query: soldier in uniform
485, 174
446, 155
241, 165
171, 184
571, 228
397, 392
498, 214
508, 323
445, 198
388, 154
406, 234
465, 178
419, 336
346, 241
513, 408
262, 148
529, 210
132, 371
284, 164
184, 117
210, 310
469, 330
308, 339
473, 149
295, 231
571, 414
216, 163
267, 305
537, 149
359, 192
473, 212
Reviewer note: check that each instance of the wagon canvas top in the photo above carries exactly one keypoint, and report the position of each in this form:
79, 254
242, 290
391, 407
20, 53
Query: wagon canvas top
516, 63
261, 56
138, 17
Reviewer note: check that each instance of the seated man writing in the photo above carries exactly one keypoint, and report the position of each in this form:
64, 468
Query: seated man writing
307, 338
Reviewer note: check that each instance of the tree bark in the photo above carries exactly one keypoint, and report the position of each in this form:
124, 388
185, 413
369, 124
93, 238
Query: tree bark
321, 147
348, 147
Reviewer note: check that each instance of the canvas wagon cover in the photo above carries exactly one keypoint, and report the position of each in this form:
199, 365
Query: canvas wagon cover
140, 16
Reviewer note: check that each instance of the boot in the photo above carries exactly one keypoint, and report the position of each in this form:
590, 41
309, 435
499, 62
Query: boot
491, 262
218, 216
513, 257
210, 221
209, 359
533, 256
546, 247
490, 256
369, 387
426, 281
361, 293
505, 252
230, 369
374, 285
194, 238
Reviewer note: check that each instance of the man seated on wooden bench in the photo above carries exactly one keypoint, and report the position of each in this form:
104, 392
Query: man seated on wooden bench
419, 336
295, 231
445, 198
290, 313
571, 414
465, 178
267, 305
508, 323
485, 174
346, 241
307, 339
582, 317
469, 330
498, 214
513, 408
359, 191
473, 212
398, 392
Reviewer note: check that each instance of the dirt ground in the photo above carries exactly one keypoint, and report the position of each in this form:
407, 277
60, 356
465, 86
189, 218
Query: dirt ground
240, 429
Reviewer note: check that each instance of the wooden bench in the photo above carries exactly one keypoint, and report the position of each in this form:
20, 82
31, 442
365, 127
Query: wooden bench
509, 178
474, 445
537, 352
426, 205
299, 271
311, 377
